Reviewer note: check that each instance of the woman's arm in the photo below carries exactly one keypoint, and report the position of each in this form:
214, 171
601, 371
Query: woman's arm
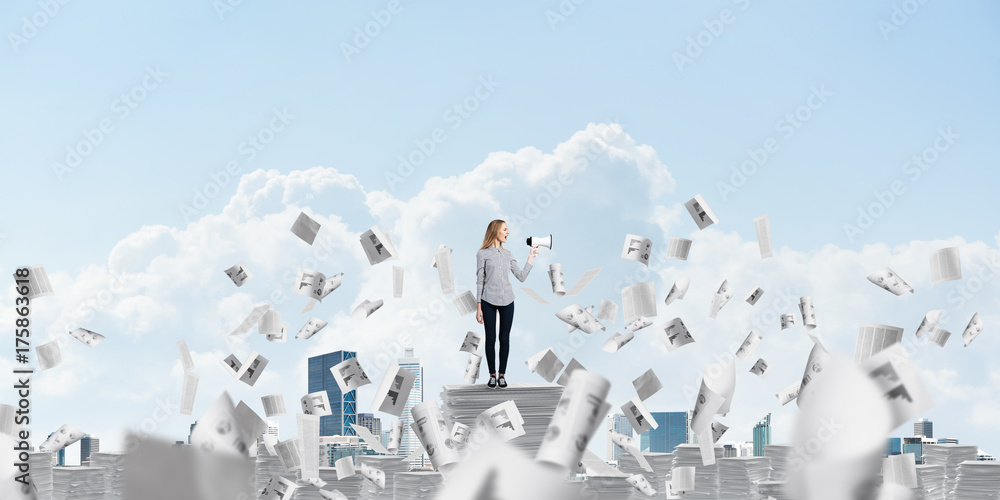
522, 274
480, 275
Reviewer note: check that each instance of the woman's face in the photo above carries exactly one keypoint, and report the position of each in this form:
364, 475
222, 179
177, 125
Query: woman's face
502, 234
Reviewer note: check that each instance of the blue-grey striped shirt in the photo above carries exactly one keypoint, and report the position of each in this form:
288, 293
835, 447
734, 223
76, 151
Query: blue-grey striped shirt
492, 283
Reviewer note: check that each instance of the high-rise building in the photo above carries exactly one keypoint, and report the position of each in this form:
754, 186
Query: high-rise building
343, 406
893, 446
744, 449
692, 438
191, 431
761, 435
671, 430
371, 422
410, 442
947, 441
621, 425
923, 427
88, 445
729, 451
914, 445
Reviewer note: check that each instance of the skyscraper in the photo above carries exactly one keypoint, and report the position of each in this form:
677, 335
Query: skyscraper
761, 435
893, 446
621, 425
343, 406
671, 430
923, 427
371, 422
88, 446
410, 442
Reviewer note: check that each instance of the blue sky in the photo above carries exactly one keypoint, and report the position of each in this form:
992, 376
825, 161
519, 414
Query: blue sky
886, 97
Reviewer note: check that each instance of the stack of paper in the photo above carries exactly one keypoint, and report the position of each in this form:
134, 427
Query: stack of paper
778, 453
350, 487
536, 403
389, 465
978, 479
41, 473
773, 489
706, 477
416, 485
601, 487
266, 466
78, 483
950, 456
661, 464
930, 482
738, 476
114, 472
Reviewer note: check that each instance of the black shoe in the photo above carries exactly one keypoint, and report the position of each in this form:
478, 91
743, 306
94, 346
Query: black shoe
502, 382
492, 384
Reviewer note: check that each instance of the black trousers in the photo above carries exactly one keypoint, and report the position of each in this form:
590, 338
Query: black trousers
490, 323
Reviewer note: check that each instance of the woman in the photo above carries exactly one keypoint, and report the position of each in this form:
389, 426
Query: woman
496, 295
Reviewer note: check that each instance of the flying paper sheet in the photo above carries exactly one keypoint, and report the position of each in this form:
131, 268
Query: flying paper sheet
395, 435
186, 362
7, 423
718, 430
61, 438
754, 295
309, 283
721, 297
442, 261
818, 359
675, 335
639, 300
270, 323
578, 317
373, 442
502, 421
188, 392
647, 384
873, 338
678, 290
571, 367
973, 329
281, 336
89, 338
533, 294
640, 417
630, 446
808, 312
397, 282
900, 469
472, 368
748, 346
682, 479
311, 327
760, 368
465, 303
557, 280
706, 406
637, 248
580, 410
333, 494
678, 248
305, 228
639, 323
250, 424
788, 321
571, 327
345, 467
331, 284
252, 319
239, 274
38, 282
471, 342
929, 322
584, 280
939, 336
274, 404
889, 280
703, 215
377, 246
460, 433
722, 381
432, 431
278, 488
48, 355
290, 454
349, 374
762, 225
393, 390
946, 265
641, 484
218, 429
251, 368
308, 426
608, 311
789, 393
617, 341
366, 308
375, 475
545, 363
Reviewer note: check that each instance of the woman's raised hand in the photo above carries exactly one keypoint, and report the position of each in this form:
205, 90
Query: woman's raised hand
534, 252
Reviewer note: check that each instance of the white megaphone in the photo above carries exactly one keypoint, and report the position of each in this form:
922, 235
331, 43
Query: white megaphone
545, 241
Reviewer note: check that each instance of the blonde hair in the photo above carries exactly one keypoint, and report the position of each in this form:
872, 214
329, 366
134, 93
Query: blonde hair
491, 233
